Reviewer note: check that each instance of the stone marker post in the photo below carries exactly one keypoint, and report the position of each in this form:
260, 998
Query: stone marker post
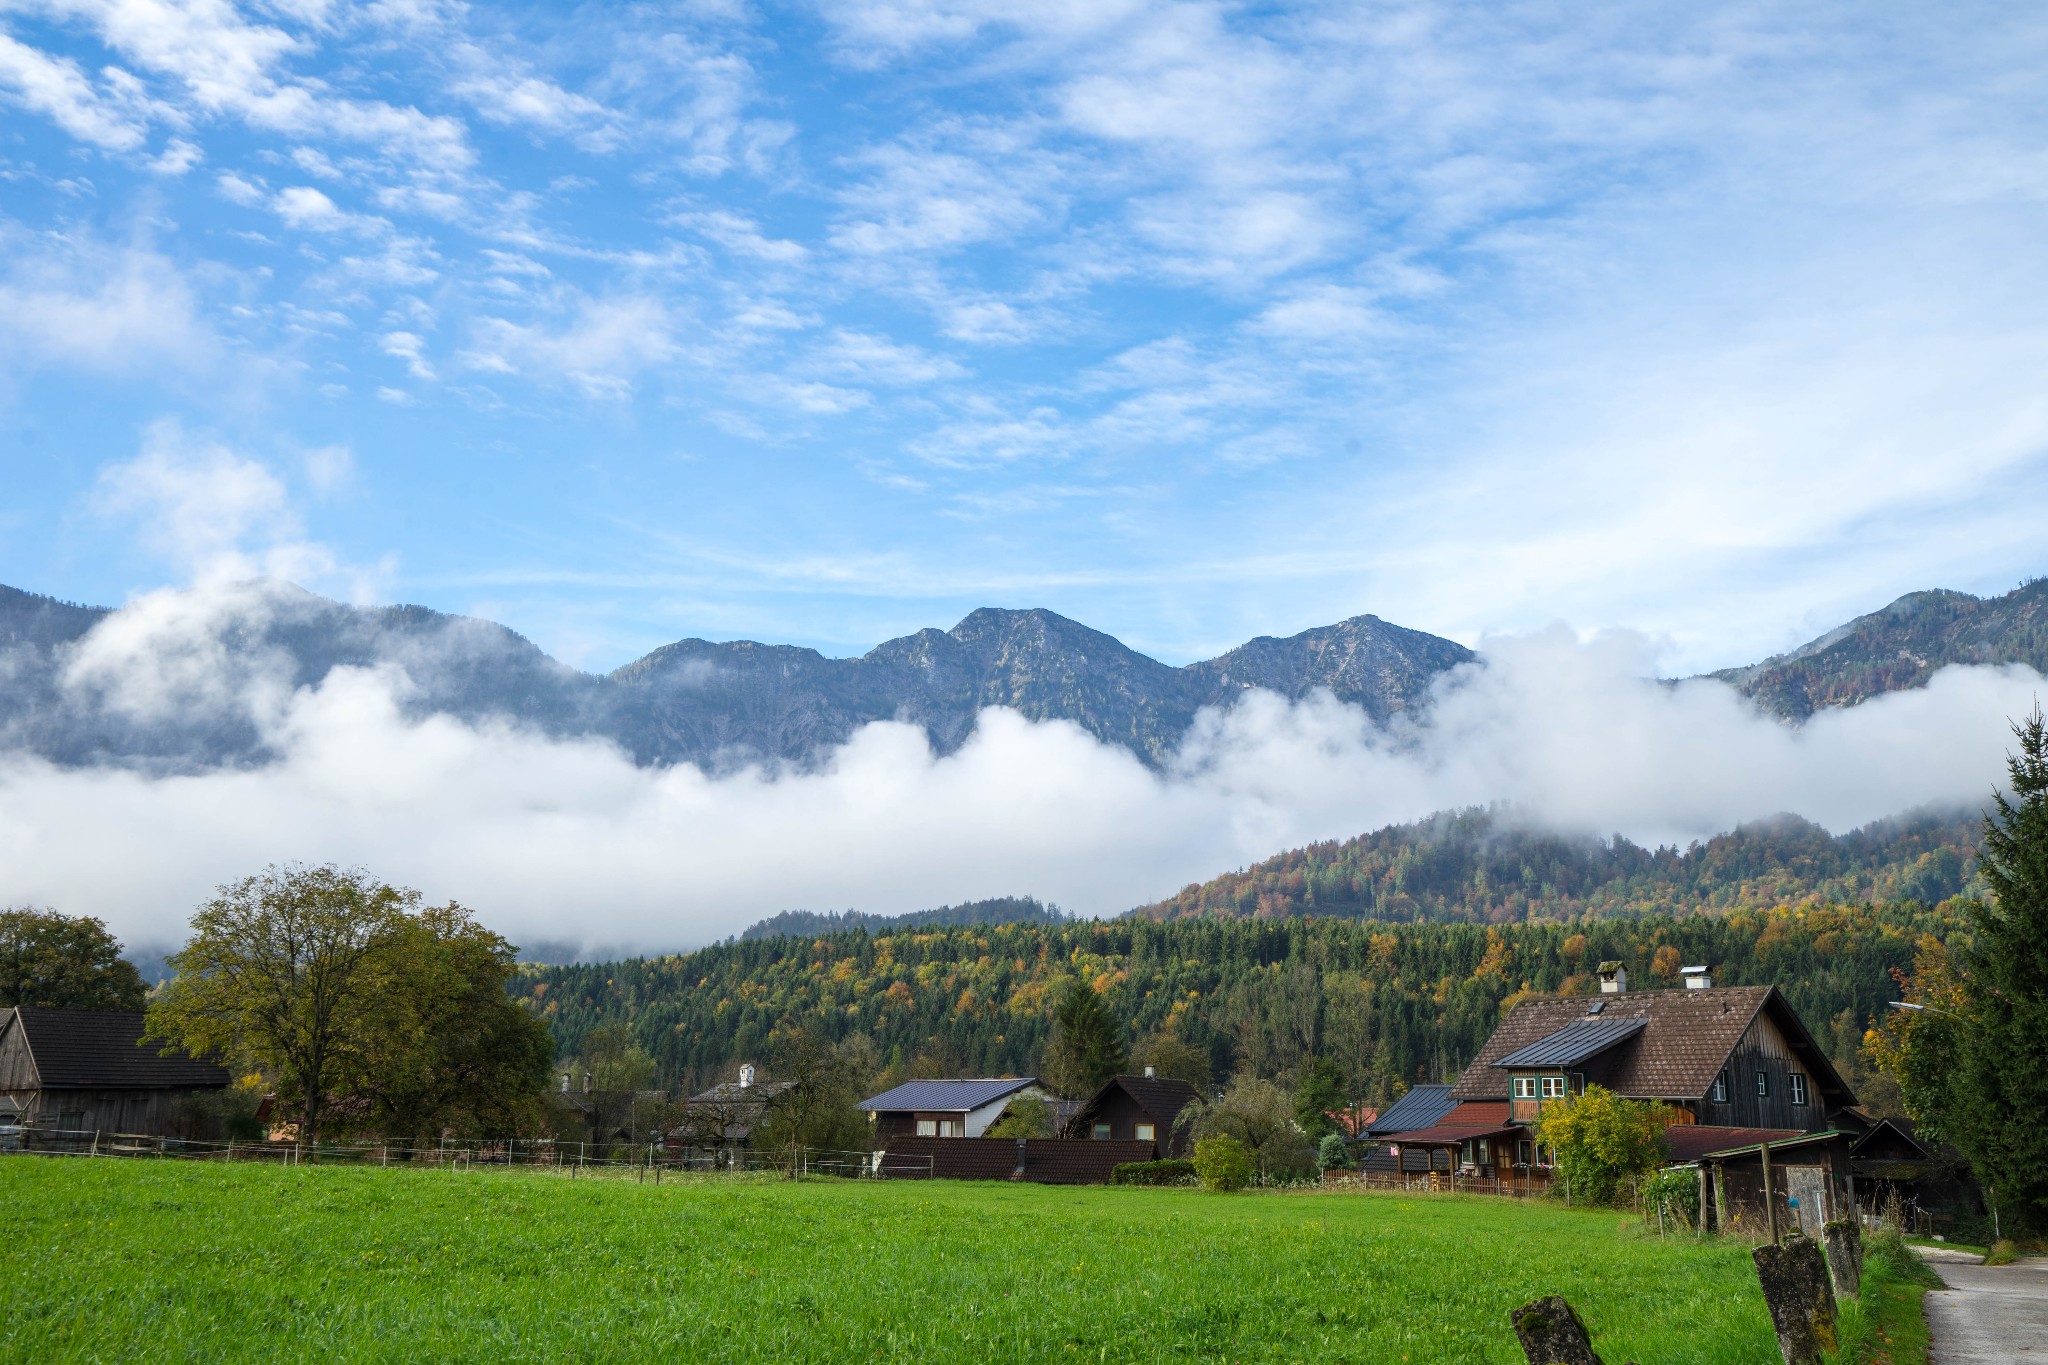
1845, 1256
1552, 1334
1794, 1276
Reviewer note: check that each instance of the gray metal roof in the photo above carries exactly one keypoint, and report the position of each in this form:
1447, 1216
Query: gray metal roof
1574, 1043
945, 1096
1419, 1108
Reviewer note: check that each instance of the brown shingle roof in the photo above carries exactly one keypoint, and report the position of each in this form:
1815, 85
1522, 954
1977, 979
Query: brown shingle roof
1685, 1042
1473, 1119
1691, 1141
98, 1050
1159, 1096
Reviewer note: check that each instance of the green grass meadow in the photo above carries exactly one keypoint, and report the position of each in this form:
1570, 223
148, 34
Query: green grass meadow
129, 1260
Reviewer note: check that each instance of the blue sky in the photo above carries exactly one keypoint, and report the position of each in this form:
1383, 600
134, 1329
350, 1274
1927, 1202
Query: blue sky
1191, 321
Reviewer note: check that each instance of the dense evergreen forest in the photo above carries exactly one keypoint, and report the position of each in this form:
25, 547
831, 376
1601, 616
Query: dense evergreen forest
1387, 1003
1001, 910
1481, 865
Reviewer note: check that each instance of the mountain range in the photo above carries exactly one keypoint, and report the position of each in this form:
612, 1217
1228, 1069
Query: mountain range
722, 704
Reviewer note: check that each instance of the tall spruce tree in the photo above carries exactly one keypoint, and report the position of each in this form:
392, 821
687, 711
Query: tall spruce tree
2005, 1049
1086, 1048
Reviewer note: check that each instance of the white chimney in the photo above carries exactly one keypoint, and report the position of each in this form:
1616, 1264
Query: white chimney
1151, 1073
1613, 978
1696, 978
565, 1082
746, 1075
586, 1082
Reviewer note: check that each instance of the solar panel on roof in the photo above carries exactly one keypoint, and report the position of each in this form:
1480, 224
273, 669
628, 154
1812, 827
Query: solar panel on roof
1573, 1043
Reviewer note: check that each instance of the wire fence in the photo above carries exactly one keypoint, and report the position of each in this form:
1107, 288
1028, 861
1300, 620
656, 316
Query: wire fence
649, 1161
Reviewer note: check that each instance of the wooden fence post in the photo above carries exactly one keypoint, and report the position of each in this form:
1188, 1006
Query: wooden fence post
1770, 1195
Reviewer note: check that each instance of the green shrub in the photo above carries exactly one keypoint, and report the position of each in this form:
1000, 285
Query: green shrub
1153, 1173
2002, 1252
1333, 1153
1223, 1163
1675, 1193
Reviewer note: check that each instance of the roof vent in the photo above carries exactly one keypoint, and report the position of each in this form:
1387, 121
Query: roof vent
746, 1075
1151, 1073
1613, 978
1696, 978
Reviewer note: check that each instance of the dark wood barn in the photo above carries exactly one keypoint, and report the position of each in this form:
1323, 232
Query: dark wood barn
86, 1071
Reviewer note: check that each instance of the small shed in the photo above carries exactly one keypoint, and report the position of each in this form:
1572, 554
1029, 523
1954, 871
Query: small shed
84, 1071
1136, 1109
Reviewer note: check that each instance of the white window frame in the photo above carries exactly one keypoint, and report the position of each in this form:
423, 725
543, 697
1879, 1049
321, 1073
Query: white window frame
1721, 1087
927, 1127
1554, 1087
1525, 1087
1763, 1084
1798, 1085
1145, 1132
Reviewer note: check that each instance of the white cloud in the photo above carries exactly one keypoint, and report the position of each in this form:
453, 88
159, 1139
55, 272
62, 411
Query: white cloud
198, 501
558, 840
310, 210
411, 348
872, 359
57, 88
73, 301
599, 348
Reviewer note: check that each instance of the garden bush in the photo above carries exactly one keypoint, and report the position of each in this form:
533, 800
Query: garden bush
1223, 1163
1172, 1172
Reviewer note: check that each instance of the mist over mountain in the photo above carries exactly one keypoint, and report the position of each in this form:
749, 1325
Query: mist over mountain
695, 701
1900, 647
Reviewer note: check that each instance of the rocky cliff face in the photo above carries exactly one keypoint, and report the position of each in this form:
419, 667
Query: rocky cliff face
64, 694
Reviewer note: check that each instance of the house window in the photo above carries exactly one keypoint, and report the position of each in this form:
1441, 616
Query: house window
1144, 1132
1543, 1155
1101, 1132
1578, 1082
1525, 1087
927, 1127
1721, 1087
1798, 1088
1763, 1084
1525, 1152
1553, 1087
72, 1122
949, 1127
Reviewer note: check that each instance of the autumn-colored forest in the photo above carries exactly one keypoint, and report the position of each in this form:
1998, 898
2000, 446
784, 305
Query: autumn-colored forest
1388, 1003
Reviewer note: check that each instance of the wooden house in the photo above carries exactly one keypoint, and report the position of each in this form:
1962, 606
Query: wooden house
717, 1124
1136, 1109
945, 1108
85, 1071
1739, 1082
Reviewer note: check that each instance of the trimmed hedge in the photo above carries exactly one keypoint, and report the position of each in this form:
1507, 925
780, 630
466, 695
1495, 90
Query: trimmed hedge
1153, 1173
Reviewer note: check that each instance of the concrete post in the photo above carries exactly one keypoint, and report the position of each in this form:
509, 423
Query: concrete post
1794, 1276
1844, 1239
1770, 1195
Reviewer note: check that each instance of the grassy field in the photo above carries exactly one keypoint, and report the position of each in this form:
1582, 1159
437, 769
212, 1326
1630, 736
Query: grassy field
112, 1260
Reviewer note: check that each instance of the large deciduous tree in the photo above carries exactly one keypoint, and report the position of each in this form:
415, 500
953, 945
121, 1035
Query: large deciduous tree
63, 962
354, 1001
1258, 1115
1086, 1047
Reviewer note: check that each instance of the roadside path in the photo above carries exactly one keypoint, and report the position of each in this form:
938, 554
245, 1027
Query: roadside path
1992, 1315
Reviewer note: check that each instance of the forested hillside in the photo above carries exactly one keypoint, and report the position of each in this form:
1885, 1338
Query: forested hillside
1901, 646
1001, 910
1388, 1003
1484, 866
